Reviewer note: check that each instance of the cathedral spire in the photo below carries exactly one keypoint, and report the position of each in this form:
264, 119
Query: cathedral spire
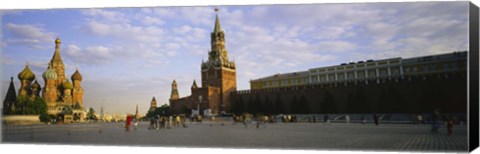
137, 115
153, 104
194, 85
10, 99
56, 55
174, 95
217, 23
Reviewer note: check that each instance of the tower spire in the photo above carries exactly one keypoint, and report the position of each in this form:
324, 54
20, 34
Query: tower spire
217, 22
56, 55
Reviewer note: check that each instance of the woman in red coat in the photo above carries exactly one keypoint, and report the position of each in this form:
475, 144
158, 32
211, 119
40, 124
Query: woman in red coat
129, 120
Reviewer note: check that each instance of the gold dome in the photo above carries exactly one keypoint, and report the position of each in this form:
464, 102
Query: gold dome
67, 85
35, 85
57, 41
26, 74
76, 76
50, 74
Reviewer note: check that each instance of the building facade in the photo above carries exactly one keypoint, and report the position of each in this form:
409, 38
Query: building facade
218, 81
368, 71
62, 97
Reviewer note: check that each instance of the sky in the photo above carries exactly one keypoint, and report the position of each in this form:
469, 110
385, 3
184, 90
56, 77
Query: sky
129, 55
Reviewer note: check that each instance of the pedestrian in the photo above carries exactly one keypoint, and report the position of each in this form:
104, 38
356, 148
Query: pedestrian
375, 119
420, 119
152, 123
265, 121
170, 121
435, 121
347, 119
177, 121
450, 123
212, 119
157, 120
326, 119
127, 122
314, 119
135, 124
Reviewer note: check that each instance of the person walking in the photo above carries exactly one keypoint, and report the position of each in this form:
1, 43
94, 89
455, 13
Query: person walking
347, 119
420, 119
363, 120
127, 122
157, 120
326, 119
435, 121
135, 124
450, 123
170, 121
375, 119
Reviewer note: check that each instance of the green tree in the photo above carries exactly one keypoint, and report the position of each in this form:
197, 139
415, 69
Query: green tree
29, 106
91, 114
67, 109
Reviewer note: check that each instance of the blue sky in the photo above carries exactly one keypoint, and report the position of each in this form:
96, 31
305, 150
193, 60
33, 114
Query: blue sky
128, 55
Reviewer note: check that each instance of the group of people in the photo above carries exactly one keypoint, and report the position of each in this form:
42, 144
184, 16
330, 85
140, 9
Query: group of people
436, 118
159, 122
130, 119
247, 119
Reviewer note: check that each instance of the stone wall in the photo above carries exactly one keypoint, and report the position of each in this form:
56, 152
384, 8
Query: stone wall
20, 119
414, 95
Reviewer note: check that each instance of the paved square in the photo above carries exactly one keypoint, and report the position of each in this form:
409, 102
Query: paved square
336, 136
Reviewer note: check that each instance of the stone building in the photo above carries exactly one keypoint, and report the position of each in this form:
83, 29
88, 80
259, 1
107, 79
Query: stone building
62, 97
369, 71
218, 81
153, 105
394, 85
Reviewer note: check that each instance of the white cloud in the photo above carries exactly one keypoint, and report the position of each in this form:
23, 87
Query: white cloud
152, 21
89, 55
33, 36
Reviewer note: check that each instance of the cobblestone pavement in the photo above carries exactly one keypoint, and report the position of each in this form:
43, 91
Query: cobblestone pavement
336, 136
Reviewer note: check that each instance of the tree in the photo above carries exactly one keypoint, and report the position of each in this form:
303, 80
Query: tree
91, 114
30, 106
67, 109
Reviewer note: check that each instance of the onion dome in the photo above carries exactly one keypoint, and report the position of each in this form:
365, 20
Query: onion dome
50, 74
35, 85
76, 76
26, 74
67, 85
57, 41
